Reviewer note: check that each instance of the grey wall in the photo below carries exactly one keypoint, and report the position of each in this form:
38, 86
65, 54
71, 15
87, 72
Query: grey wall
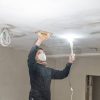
13, 75
82, 67
14, 78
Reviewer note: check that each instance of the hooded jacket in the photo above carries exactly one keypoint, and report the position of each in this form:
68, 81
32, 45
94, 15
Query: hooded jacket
41, 76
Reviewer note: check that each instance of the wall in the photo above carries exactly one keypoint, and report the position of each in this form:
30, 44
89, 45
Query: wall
83, 66
14, 81
14, 78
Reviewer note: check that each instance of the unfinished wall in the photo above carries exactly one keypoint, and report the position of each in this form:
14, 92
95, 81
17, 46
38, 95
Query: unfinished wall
14, 81
14, 78
82, 67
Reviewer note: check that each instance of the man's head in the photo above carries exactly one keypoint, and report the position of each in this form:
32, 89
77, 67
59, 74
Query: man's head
40, 56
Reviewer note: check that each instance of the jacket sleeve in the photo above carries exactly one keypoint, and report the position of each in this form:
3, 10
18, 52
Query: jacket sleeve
31, 57
61, 74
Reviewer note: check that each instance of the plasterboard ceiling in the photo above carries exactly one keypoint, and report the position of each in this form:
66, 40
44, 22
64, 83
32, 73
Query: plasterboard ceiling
25, 17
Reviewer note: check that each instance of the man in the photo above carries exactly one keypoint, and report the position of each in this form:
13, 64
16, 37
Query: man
40, 75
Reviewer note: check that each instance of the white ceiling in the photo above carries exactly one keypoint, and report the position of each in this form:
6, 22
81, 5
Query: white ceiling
57, 16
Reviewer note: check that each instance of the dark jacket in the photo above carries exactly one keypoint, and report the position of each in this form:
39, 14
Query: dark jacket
40, 76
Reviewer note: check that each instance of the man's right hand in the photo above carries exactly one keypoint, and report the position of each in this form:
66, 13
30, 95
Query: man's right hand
42, 36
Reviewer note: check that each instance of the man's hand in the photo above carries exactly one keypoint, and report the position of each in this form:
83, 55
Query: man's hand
71, 58
42, 36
